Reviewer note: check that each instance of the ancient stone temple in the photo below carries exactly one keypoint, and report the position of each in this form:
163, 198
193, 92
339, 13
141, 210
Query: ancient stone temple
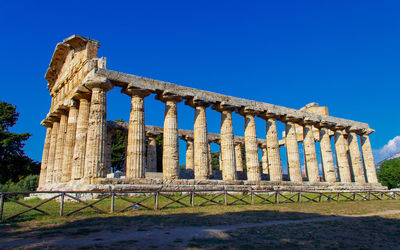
336, 152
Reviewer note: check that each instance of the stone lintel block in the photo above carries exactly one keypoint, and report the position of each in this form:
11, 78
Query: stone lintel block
93, 80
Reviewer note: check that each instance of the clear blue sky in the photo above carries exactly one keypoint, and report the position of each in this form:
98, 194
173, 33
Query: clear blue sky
341, 54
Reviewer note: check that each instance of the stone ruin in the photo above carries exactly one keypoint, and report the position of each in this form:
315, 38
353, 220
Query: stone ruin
77, 148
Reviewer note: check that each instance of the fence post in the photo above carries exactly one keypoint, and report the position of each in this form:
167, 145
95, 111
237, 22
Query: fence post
252, 197
225, 198
62, 204
156, 195
299, 197
354, 196
192, 198
2, 205
276, 197
112, 202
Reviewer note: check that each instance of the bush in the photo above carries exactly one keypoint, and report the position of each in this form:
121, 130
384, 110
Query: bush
389, 173
29, 183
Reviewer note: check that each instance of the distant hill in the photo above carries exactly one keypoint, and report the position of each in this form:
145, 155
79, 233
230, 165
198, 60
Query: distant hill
395, 156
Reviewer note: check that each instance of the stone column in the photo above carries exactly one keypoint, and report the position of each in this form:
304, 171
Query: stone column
170, 137
136, 144
250, 135
78, 161
227, 143
151, 154
58, 162
238, 155
264, 159
210, 167
368, 157
292, 150
45, 155
190, 153
326, 153
109, 151
310, 153
355, 156
341, 155
95, 164
52, 151
69, 142
273, 149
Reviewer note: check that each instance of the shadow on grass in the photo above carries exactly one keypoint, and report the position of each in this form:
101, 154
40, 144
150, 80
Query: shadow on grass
376, 232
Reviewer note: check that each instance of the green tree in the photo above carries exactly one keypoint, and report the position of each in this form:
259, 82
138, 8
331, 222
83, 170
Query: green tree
118, 148
14, 164
389, 173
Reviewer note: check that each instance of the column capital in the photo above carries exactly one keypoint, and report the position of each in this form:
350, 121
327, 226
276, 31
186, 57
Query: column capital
187, 138
47, 122
326, 124
310, 121
270, 115
136, 92
223, 106
95, 81
169, 96
368, 131
292, 118
196, 102
354, 129
248, 111
151, 135
82, 95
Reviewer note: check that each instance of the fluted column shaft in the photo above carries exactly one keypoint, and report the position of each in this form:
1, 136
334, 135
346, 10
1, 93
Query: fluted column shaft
368, 159
52, 152
136, 144
310, 154
327, 155
227, 146
69, 143
264, 160
170, 141
45, 157
210, 167
292, 150
355, 158
273, 151
78, 162
250, 135
238, 156
201, 168
341, 156
58, 162
190, 154
95, 165
152, 154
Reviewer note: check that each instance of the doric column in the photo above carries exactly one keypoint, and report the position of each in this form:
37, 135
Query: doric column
95, 165
326, 152
310, 153
200, 140
273, 150
58, 162
227, 144
170, 157
45, 154
78, 161
210, 167
69, 142
368, 157
52, 150
190, 152
264, 159
151, 154
250, 136
109, 151
238, 155
292, 150
136, 144
355, 156
341, 155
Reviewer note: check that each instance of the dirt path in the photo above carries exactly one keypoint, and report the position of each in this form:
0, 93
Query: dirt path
163, 238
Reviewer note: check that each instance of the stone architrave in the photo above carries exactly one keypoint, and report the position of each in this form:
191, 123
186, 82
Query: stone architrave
368, 157
326, 153
69, 142
45, 156
151, 154
170, 157
95, 162
273, 149
250, 136
78, 161
341, 155
227, 143
292, 150
58, 162
264, 159
52, 151
190, 154
355, 156
136, 144
310, 153
238, 155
